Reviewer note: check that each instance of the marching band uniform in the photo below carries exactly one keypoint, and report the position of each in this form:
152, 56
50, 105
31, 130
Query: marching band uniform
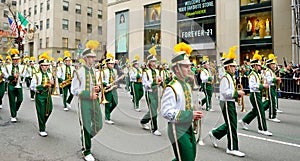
41, 84
90, 115
150, 83
109, 76
7, 61
258, 109
272, 90
165, 74
15, 95
136, 84
2, 81
228, 95
177, 108
66, 74
207, 79
32, 71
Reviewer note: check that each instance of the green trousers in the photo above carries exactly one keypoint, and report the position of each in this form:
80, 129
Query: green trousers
27, 81
43, 104
152, 102
112, 98
15, 97
67, 90
186, 141
90, 118
229, 128
207, 89
138, 92
273, 102
2, 90
258, 111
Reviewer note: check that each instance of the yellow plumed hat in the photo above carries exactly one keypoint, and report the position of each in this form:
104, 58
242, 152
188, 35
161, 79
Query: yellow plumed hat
8, 57
81, 61
136, 59
59, 60
256, 58
91, 46
223, 57
110, 58
182, 53
44, 58
1, 58
14, 53
152, 52
271, 59
67, 55
230, 59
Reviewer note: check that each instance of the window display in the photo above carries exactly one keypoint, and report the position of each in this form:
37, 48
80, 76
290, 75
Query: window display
252, 2
256, 26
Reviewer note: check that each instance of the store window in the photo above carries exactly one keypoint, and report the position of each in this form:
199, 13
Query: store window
253, 2
152, 29
256, 26
121, 45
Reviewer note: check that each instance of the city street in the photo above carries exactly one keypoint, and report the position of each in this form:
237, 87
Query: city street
127, 141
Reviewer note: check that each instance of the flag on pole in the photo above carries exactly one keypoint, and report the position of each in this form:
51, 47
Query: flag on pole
22, 19
12, 24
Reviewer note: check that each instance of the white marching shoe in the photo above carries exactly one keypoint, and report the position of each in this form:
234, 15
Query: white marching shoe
244, 125
275, 120
1, 107
235, 153
66, 109
89, 158
43, 133
109, 122
267, 133
156, 133
145, 126
137, 110
13, 120
213, 139
68, 105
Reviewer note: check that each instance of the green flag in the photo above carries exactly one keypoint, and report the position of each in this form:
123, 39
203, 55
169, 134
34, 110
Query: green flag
22, 19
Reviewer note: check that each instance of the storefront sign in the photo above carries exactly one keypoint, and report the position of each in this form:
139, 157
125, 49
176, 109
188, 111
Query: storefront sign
195, 8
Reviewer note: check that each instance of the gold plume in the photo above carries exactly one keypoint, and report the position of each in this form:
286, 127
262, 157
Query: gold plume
231, 54
110, 55
32, 58
8, 57
14, 51
256, 56
1, 57
137, 57
44, 55
205, 58
272, 56
224, 55
67, 53
183, 47
152, 50
59, 59
164, 61
92, 44
81, 61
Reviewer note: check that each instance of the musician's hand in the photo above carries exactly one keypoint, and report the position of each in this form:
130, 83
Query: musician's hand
16, 75
266, 86
198, 115
278, 79
63, 82
241, 93
93, 96
51, 82
108, 85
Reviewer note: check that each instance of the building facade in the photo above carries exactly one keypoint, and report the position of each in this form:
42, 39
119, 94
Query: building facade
60, 25
211, 27
6, 35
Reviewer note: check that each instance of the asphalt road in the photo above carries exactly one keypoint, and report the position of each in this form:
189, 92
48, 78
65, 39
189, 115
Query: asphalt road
127, 141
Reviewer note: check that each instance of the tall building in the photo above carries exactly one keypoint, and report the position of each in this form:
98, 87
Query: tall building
6, 35
60, 25
211, 27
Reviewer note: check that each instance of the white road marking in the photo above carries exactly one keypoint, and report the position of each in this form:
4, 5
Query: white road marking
270, 140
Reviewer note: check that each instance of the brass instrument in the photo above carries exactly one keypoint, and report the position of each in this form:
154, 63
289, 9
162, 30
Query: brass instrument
241, 99
113, 85
264, 81
55, 91
1, 76
66, 83
18, 80
278, 82
103, 98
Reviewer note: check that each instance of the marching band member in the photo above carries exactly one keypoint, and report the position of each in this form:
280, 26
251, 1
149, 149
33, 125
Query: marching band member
32, 71
136, 83
228, 95
65, 77
256, 86
272, 90
85, 86
14, 73
151, 80
207, 79
221, 68
177, 107
27, 66
2, 81
41, 83
109, 76
165, 75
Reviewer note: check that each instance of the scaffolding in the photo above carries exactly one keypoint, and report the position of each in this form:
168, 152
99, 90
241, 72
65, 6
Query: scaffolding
295, 5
